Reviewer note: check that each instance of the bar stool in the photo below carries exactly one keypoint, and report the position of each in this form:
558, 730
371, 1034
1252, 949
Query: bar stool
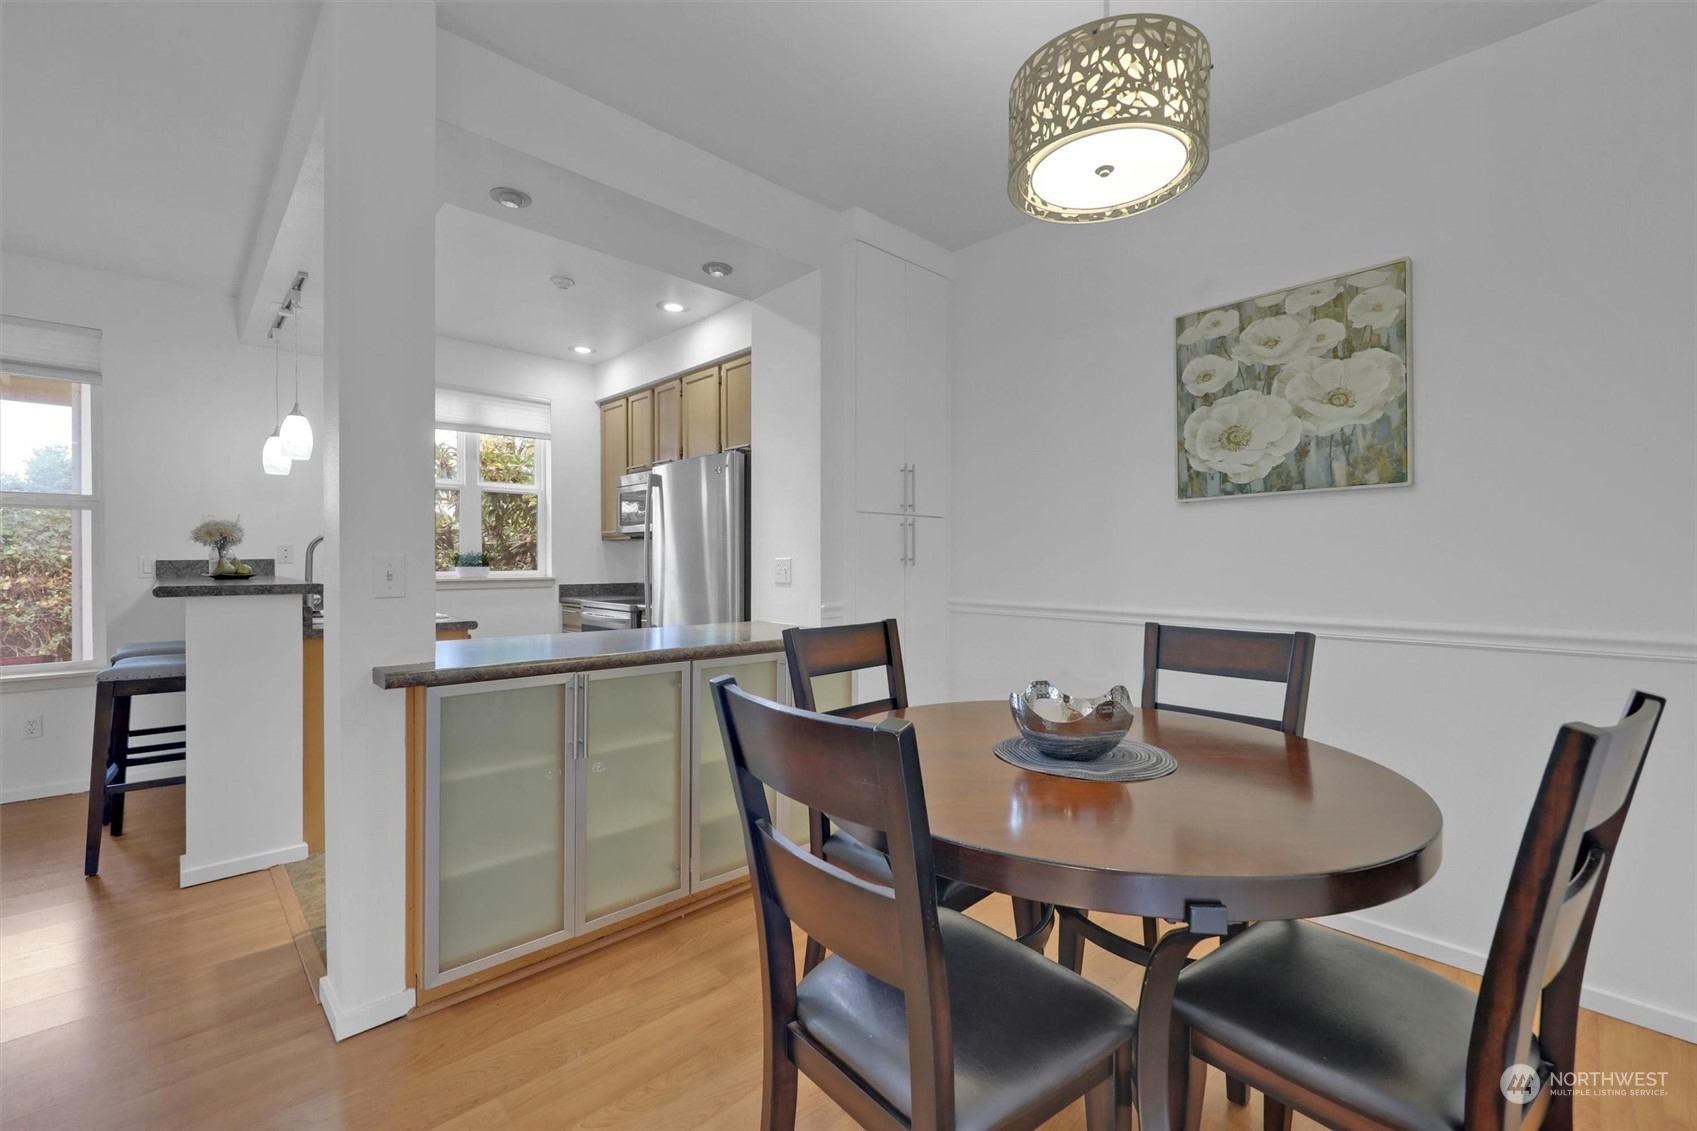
150, 648
112, 756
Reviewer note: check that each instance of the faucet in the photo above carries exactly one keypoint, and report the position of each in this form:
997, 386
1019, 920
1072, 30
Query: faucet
314, 601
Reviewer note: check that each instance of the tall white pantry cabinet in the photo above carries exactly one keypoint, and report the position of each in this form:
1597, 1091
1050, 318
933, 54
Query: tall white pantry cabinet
899, 374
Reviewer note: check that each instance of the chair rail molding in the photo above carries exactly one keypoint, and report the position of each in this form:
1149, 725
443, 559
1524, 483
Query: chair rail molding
1661, 649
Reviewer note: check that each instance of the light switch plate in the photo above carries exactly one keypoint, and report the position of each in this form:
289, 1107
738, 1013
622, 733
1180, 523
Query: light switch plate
389, 575
144, 566
285, 553
782, 574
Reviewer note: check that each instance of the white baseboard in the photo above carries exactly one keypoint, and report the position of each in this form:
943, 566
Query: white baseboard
345, 1023
48, 789
188, 875
1644, 1014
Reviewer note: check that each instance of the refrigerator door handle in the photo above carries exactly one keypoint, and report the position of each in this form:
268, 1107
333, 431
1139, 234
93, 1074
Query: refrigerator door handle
650, 599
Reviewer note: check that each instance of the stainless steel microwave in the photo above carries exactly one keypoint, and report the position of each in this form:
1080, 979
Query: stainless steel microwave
633, 503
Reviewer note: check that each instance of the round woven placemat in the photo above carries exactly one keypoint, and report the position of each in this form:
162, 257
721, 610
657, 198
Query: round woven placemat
1129, 761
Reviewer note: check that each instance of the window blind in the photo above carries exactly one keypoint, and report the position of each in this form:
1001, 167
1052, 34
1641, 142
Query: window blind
47, 349
470, 411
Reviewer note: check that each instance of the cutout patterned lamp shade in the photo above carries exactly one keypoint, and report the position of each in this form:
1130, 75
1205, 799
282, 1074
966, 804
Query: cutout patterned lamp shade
1109, 119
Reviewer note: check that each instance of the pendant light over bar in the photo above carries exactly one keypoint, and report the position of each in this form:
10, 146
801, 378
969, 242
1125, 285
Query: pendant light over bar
1109, 119
295, 430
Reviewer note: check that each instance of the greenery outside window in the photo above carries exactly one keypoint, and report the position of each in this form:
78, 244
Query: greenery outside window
48, 501
491, 471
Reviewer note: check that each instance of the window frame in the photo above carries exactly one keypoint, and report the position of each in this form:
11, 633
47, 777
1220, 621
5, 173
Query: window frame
88, 628
472, 488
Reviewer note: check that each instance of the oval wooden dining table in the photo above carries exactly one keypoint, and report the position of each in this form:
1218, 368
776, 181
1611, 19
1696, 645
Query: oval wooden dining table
1254, 824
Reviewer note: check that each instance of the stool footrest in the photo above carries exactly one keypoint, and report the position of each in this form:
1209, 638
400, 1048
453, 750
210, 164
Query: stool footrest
180, 728
154, 783
177, 745
154, 759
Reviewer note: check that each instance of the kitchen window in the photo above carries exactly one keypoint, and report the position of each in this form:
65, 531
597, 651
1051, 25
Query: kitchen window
491, 462
49, 375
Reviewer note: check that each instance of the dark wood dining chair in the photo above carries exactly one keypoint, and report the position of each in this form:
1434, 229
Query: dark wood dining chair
921, 1017
815, 653
1269, 657
1356, 1037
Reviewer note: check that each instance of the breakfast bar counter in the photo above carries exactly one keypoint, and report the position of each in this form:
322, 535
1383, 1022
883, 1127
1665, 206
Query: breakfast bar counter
516, 657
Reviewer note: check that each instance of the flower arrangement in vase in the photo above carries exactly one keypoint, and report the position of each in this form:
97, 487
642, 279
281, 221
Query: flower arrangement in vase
219, 535
472, 566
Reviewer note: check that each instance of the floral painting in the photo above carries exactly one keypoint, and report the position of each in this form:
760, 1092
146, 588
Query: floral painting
1303, 389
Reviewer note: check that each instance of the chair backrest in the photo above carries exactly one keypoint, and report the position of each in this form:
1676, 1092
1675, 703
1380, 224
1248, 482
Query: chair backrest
1538, 954
1272, 657
814, 652
869, 773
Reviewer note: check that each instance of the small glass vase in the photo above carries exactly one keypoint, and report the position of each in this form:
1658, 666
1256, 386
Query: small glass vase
217, 565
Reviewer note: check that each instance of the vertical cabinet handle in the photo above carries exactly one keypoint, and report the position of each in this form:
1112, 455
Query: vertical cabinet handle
913, 488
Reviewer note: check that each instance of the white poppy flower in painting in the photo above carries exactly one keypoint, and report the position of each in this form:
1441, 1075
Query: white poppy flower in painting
1291, 371
1214, 324
1377, 307
1306, 298
1366, 280
1337, 392
1208, 374
1324, 334
1243, 436
1266, 301
1272, 341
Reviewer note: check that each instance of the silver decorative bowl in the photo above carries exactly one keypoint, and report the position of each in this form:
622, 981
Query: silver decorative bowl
1071, 726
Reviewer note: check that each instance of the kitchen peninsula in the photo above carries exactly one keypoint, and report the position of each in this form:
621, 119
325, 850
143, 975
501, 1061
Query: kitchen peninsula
242, 797
568, 789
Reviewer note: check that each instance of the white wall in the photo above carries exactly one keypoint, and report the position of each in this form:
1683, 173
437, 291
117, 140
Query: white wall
718, 335
785, 489
1542, 564
574, 485
183, 412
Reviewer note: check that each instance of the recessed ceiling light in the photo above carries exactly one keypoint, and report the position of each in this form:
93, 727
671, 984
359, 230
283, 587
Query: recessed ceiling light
510, 197
564, 282
583, 349
716, 269
672, 307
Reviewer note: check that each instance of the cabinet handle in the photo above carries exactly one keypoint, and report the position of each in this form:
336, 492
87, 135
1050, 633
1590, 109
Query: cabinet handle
913, 487
903, 558
913, 537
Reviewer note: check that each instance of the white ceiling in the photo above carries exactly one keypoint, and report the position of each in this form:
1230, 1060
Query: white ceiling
901, 109
141, 137
492, 287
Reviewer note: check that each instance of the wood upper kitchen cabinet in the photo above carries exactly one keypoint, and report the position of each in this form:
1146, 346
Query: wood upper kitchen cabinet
735, 423
701, 412
615, 458
668, 421
639, 407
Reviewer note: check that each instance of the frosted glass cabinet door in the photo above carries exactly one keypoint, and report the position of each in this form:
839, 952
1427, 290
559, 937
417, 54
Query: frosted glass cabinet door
497, 864
630, 797
719, 852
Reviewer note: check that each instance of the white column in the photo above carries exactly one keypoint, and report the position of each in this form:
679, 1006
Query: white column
379, 365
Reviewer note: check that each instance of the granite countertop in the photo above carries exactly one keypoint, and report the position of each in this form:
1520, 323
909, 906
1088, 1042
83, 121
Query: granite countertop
310, 631
186, 577
512, 657
602, 590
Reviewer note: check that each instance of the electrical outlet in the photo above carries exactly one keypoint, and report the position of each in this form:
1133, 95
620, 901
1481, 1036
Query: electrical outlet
285, 553
32, 726
144, 566
782, 574
389, 575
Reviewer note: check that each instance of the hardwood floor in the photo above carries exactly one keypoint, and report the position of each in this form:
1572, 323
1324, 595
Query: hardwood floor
128, 1003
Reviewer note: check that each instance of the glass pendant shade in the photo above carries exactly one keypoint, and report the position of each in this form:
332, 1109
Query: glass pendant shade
297, 435
275, 460
1109, 119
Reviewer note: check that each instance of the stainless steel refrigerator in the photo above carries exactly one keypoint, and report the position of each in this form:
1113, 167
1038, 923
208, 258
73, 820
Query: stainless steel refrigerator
697, 540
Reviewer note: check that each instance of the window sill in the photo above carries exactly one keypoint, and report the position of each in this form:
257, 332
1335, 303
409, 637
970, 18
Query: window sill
446, 581
58, 678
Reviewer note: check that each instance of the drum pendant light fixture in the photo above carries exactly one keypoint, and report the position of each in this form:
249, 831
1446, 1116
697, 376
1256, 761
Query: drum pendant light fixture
1109, 119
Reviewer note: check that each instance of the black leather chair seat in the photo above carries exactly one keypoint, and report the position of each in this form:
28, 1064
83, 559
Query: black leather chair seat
1370, 1029
1022, 1026
855, 855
